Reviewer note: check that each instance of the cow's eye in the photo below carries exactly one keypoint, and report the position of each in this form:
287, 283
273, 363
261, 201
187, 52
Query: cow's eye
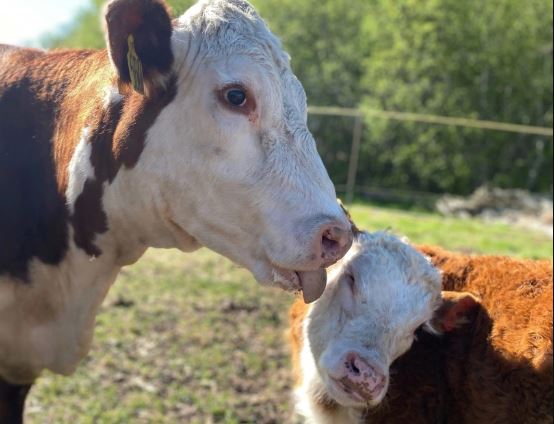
236, 97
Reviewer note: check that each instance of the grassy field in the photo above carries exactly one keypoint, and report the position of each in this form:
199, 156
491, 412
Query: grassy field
193, 339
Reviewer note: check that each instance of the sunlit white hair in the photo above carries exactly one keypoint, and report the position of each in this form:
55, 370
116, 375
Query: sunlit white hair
226, 26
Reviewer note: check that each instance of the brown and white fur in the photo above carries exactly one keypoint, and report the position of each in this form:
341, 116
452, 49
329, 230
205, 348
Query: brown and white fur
92, 173
487, 358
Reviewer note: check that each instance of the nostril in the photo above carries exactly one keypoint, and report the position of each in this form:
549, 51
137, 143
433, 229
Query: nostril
351, 365
333, 239
354, 368
330, 246
333, 243
361, 377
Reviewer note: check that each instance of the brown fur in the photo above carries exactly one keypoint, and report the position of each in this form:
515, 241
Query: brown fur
495, 369
46, 99
35, 153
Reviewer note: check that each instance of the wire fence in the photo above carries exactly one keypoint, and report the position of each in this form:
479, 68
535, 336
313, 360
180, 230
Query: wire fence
360, 115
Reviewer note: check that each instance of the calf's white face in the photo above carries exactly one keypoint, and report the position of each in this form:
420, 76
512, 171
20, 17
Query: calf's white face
377, 297
241, 173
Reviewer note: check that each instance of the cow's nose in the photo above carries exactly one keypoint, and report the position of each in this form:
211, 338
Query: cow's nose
363, 377
336, 239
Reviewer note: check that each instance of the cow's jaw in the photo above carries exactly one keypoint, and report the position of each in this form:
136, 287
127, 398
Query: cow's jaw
251, 187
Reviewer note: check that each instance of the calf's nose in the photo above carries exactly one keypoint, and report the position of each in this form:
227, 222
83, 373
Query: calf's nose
362, 377
335, 238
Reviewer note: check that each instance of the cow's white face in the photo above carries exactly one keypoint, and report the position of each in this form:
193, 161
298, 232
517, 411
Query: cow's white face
241, 173
378, 296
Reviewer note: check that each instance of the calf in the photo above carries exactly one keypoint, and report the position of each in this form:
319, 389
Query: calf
482, 353
183, 133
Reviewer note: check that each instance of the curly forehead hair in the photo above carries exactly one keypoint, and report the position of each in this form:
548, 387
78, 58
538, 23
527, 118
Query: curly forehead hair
232, 25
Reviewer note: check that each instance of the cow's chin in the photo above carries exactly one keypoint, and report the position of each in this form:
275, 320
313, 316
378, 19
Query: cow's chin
350, 399
310, 283
269, 274
286, 279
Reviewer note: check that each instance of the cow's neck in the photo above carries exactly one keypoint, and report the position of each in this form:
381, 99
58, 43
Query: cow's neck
47, 317
138, 219
106, 189
48, 321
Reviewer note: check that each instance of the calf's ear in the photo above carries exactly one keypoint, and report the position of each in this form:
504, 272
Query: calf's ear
454, 312
139, 42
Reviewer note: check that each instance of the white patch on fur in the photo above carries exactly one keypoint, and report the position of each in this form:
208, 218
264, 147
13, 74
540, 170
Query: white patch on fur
312, 384
79, 169
111, 96
49, 323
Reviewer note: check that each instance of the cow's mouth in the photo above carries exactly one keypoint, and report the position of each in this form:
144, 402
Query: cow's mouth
311, 283
341, 390
347, 393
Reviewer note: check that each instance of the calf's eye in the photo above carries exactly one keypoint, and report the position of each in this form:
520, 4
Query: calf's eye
236, 97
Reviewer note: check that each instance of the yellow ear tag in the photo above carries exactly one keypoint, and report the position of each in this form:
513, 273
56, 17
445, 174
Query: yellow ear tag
135, 66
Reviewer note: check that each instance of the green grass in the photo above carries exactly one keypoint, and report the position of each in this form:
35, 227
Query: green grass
193, 339
465, 235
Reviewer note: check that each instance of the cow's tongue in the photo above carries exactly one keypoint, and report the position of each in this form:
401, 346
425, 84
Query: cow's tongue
313, 284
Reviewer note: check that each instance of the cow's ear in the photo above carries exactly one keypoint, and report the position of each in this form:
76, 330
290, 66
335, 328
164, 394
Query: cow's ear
139, 42
455, 311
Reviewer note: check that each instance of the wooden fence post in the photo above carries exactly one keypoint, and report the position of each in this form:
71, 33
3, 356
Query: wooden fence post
354, 159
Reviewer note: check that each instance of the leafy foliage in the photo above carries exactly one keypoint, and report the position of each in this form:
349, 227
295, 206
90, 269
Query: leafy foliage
488, 60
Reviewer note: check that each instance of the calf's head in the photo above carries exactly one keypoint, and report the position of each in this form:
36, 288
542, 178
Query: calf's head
377, 297
229, 160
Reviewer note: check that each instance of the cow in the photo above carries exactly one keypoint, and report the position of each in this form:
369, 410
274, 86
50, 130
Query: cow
384, 346
182, 133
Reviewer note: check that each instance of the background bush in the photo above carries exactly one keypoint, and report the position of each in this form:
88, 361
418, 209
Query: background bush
489, 60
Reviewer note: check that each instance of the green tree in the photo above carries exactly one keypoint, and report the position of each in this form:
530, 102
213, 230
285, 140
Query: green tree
489, 60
